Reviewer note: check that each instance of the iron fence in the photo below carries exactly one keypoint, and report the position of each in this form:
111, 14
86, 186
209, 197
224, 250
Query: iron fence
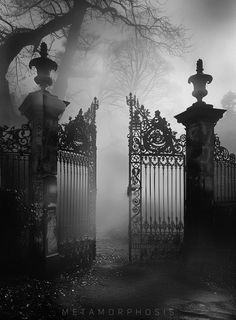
15, 151
76, 177
163, 194
156, 184
73, 195
224, 174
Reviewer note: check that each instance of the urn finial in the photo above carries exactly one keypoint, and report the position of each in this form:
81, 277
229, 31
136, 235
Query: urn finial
199, 81
44, 65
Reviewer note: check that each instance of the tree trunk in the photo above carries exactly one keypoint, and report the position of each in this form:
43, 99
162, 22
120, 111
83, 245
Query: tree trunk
15, 42
66, 64
6, 107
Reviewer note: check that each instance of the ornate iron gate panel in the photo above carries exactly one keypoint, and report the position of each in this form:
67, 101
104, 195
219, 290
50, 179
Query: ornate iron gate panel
224, 174
77, 177
15, 150
156, 184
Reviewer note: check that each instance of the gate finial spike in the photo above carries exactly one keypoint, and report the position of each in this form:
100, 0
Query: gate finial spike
199, 66
95, 103
130, 100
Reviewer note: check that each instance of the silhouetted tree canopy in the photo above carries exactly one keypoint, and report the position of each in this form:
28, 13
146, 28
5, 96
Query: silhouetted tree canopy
135, 66
24, 23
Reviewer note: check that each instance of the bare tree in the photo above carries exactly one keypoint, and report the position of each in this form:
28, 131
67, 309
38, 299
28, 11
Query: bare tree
24, 23
134, 65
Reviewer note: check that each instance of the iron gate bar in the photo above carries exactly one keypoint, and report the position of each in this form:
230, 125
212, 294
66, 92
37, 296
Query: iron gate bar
15, 155
156, 156
77, 176
150, 195
155, 213
224, 174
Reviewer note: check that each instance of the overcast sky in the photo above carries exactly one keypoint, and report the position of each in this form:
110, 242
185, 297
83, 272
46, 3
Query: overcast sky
212, 24
211, 27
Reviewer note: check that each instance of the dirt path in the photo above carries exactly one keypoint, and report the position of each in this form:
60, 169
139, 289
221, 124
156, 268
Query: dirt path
113, 289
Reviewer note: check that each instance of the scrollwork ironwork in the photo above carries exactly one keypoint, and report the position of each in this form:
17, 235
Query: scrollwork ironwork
224, 173
157, 137
15, 139
74, 135
78, 134
222, 154
155, 152
77, 149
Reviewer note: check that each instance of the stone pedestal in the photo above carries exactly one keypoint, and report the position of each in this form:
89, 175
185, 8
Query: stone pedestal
42, 109
199, 120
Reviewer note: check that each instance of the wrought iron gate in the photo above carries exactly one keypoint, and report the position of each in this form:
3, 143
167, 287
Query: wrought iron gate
15, 151
156, 184
76, 181
224, 174
77, 177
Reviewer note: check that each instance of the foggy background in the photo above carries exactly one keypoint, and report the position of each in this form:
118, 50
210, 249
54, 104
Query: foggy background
210, 29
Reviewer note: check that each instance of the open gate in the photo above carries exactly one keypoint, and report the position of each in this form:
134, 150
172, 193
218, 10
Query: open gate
76, 178
156, 184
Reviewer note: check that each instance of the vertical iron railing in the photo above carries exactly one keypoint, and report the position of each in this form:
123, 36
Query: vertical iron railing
76, 176
156, 186
72, 195
163, 195
15, 150
14, 173
224, 174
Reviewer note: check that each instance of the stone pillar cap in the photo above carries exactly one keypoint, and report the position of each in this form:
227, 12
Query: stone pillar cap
42, 101
201, 112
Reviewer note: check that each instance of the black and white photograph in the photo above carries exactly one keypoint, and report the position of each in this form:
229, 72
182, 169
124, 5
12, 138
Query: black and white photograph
117, 159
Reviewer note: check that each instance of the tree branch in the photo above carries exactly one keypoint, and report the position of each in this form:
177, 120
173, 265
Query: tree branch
16, 41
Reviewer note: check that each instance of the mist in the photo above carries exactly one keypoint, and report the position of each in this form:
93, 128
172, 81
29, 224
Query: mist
210, 31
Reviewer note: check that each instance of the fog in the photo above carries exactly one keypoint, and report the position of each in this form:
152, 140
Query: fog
211, 26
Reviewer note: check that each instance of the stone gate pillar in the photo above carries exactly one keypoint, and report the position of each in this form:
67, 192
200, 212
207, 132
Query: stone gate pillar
42, 109
199, 121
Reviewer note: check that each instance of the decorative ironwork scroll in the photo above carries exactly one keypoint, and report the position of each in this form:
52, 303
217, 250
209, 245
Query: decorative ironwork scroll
77, 176
78, 134
156, 182
15, 139
224, 173
15, 152
222, 154
74, 135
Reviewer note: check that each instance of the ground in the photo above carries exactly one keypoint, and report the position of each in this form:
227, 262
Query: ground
113, 289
